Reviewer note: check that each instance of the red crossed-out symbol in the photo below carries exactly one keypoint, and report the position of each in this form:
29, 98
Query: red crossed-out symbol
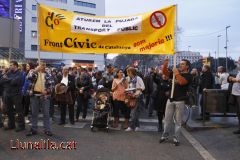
158, 19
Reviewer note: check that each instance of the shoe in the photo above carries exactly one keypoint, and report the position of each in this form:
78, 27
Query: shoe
19, 129
129, 129
125, 125
61, 123
176, 142
72, 122
31, 133
27, 121
137, 129
48, 133
162, 139
114, 125
77, 120
236, 132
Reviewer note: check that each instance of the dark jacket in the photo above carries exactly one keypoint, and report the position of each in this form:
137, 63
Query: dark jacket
84, 81
12, 83
206, 81
148, 82
161, 94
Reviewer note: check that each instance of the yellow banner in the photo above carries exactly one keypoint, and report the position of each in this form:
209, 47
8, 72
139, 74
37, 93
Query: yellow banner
149, 33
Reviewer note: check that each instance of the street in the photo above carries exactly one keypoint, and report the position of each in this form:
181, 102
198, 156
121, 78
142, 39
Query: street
218, 143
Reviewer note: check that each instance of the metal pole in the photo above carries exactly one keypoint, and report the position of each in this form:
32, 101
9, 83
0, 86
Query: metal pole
174, 57
215, 61
226, 48
218, 50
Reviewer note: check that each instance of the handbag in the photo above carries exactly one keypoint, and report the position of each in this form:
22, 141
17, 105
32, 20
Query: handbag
62, 94
131, 100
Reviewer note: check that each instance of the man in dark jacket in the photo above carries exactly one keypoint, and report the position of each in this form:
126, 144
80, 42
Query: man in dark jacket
13, 83
206, 82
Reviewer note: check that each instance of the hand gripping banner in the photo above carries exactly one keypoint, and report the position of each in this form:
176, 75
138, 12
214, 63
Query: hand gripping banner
69, 32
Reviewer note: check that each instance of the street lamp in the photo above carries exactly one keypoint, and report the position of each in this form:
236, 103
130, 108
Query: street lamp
226, 47
218, 49
188, 48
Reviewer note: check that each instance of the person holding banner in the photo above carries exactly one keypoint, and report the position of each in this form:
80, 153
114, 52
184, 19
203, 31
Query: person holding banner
40, 89
176, 103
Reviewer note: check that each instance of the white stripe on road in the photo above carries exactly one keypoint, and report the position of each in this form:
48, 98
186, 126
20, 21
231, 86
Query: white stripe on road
200, 149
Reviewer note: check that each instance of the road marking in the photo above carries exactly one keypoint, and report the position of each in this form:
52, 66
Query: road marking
200, 149
144, 128
76, 125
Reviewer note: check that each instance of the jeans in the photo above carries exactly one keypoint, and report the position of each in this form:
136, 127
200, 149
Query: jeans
135, 113
36, 103
173, 113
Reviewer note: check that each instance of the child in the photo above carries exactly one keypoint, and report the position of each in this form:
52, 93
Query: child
101, 102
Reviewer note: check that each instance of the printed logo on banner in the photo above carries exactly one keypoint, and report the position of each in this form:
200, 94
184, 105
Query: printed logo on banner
158, 19
53, 19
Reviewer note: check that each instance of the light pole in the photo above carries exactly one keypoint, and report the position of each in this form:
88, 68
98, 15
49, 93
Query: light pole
188, 48
226, 48
218, 50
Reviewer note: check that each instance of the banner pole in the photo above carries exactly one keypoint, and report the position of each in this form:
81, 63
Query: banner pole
174, 57
38, 46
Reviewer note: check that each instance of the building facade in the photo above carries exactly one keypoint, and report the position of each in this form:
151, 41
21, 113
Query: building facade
191, 56
88, 7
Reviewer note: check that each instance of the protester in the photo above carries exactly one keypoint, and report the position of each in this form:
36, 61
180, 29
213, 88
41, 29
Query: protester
223, 78
83, 85
195, 85
40, 90
149, 84
13, 82
236, 94
136, 83
160, 97
175, 105
69, 81
108, 77
118, 87
207, 82
26, 97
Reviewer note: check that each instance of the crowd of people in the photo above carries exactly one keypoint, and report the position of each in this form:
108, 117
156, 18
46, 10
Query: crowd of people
27, 89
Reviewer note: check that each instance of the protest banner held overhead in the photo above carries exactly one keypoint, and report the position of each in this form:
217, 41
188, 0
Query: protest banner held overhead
69, 32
